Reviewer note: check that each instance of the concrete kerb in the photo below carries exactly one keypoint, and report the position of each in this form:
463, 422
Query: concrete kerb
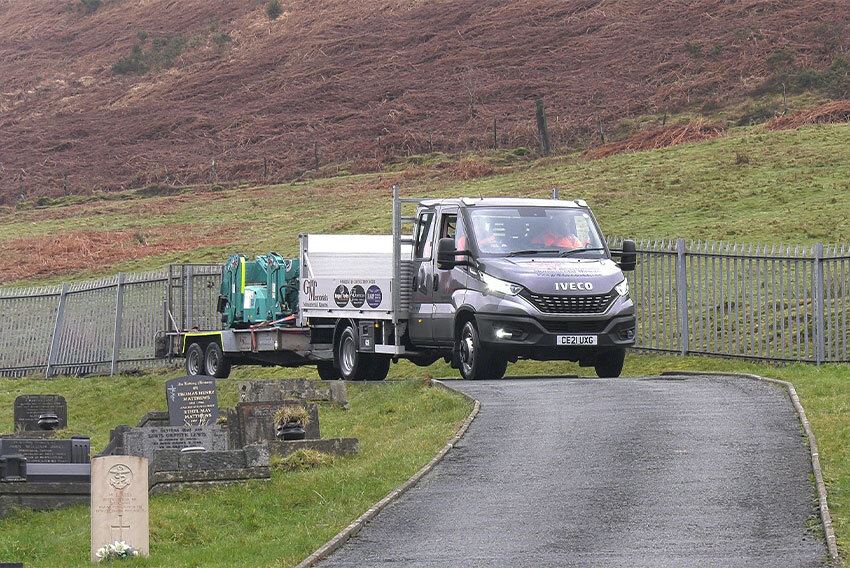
342, 537
825, 517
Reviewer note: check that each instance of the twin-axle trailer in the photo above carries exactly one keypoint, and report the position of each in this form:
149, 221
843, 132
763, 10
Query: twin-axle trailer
478, 282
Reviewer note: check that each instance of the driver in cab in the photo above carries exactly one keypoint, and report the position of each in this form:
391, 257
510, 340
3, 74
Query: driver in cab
555, 234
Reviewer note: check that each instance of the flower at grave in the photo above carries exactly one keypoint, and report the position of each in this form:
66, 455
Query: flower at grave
292, 414
118, 550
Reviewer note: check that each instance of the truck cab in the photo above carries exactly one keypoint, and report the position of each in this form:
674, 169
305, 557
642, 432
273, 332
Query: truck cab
497, 280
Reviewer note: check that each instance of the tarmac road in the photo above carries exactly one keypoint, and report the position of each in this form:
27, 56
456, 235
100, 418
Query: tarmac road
697, 471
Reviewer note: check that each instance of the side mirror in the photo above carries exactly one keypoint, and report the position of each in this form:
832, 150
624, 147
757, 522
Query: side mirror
628, 259
446, 254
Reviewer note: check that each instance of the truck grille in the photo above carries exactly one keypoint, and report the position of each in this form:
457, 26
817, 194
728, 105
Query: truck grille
594, 304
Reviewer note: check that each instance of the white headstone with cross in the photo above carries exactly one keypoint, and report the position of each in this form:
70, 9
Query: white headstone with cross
119, 503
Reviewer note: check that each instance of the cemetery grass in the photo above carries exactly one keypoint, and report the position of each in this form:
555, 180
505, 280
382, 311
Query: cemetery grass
400, 424
750, 185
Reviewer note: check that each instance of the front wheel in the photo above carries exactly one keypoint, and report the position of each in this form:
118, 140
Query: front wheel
215, 363
476, 361
194, 360
609, 364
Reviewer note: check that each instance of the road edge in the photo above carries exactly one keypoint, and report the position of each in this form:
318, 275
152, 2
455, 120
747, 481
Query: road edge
825, 517
345, 534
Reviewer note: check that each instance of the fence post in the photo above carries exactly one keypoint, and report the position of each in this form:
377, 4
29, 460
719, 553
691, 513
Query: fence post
119, 316
542, 128
57, 331
818, 304
190, 300
682, 295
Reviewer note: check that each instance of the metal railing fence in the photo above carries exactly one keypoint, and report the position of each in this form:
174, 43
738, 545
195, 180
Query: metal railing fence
773, 303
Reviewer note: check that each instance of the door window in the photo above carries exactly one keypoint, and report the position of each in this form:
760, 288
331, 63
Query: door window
422, 235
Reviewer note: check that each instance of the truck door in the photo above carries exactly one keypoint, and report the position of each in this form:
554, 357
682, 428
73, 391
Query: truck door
447, 282
422, 304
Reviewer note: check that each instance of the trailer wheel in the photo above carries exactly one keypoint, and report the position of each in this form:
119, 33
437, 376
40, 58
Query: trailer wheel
327, 371
476, 361
609, 364
194, 360
215, 363
378, 367
352, 364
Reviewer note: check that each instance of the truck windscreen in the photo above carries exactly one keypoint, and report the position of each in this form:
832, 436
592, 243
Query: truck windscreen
518, 231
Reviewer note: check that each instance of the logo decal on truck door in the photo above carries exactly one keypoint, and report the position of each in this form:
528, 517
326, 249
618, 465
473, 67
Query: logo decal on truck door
573, 286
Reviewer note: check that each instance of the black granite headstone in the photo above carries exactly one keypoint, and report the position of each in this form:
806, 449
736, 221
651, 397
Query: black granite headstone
75, 450
192, 401
30, 407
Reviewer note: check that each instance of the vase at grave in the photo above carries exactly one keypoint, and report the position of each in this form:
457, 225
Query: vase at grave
48, 421
290, 431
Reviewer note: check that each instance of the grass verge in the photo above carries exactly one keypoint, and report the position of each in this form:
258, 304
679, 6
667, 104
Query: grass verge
400, 424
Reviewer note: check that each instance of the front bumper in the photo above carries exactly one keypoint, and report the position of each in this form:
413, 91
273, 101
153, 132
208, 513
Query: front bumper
533, 338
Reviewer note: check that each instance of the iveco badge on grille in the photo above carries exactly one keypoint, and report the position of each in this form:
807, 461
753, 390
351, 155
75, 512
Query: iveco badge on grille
572, 286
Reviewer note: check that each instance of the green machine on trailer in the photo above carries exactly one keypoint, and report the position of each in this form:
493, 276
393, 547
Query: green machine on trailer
256, 291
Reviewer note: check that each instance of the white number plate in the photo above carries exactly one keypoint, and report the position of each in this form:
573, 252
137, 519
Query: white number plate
576, 340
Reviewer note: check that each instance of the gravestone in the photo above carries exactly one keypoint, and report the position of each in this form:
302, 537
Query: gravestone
255, 420
30, 407
119, 503
288, 389
49, 451
192, 401
145, 441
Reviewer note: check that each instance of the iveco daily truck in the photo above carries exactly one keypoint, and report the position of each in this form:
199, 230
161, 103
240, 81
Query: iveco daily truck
478, 282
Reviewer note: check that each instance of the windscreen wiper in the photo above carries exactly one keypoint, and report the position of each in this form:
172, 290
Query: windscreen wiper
531, 251
569, 252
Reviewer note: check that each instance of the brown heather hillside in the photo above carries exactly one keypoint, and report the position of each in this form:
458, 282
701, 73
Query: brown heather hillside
359, 82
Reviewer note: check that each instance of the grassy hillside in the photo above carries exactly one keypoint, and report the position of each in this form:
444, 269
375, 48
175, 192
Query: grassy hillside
110, 94
751, 185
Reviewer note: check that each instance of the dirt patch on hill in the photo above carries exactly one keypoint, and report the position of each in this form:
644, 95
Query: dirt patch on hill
34, 257
655, 138
834, 112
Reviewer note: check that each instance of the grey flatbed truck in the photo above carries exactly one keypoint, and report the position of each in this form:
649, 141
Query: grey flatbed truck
478, 282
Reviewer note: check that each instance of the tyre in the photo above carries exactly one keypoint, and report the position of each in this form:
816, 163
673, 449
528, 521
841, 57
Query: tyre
194, 360
378, 368
327, 371
352, 364
477, 362
609, 364
215, 363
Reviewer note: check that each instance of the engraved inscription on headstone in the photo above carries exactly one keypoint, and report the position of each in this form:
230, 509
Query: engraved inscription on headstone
145, 441
35, 450
30, 407
119, 502
192, 401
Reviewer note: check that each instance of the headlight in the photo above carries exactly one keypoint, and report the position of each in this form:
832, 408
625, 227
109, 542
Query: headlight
622, 288
496, 286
